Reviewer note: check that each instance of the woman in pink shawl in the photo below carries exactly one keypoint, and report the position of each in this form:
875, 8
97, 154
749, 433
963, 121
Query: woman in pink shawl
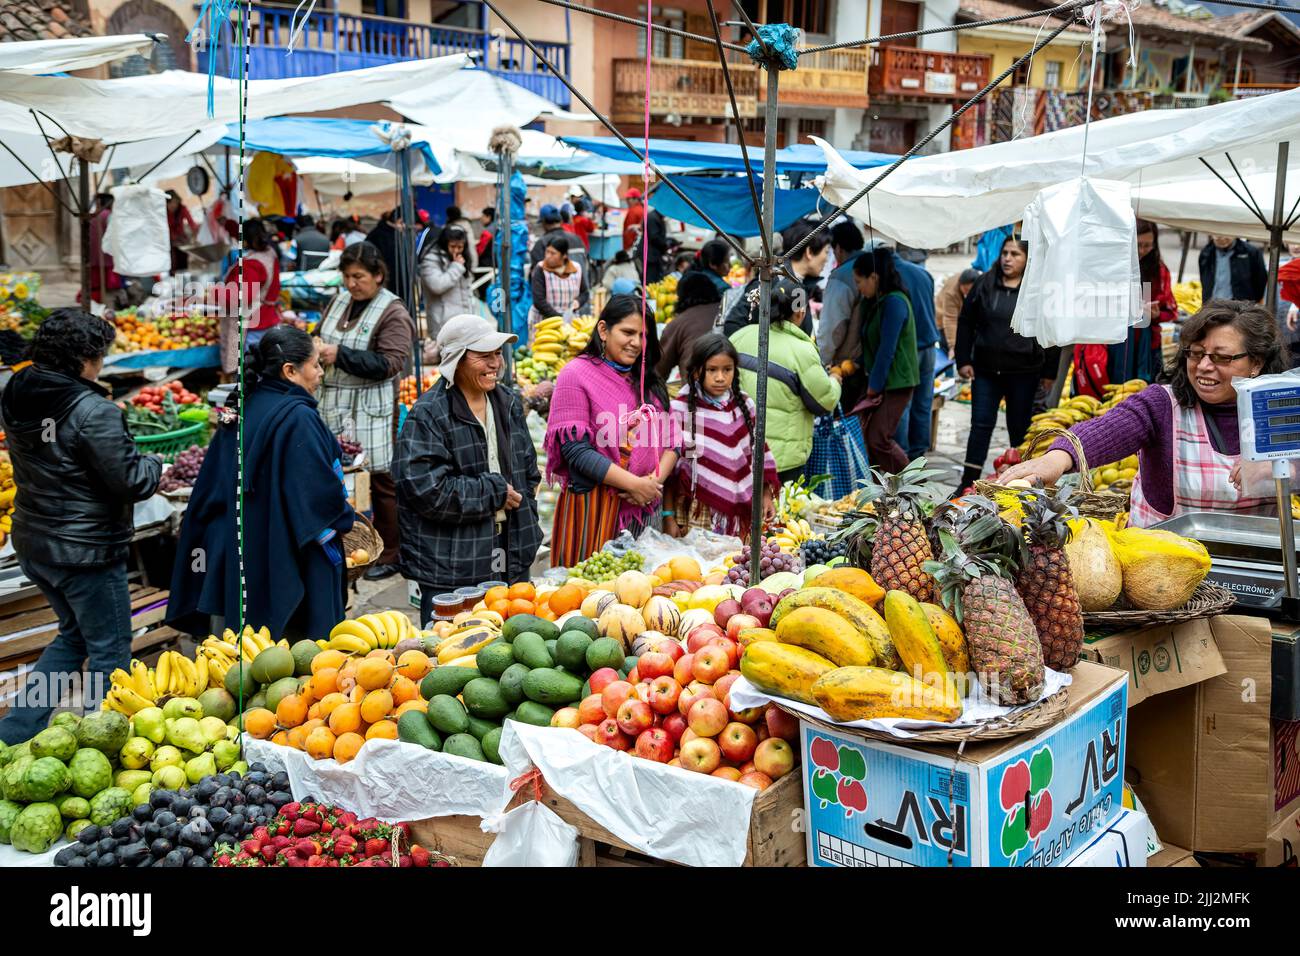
609, 441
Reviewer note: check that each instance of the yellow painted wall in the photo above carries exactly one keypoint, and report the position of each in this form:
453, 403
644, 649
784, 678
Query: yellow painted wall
1006, 52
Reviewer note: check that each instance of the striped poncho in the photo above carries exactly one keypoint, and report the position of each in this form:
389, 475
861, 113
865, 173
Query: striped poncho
715, 467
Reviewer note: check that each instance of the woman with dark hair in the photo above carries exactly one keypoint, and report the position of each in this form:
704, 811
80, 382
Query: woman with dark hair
800, 389
251, 287
180, 230
715, 262
445, 276
620, 267
713, 487
559, 285
366, 337
1185, 432
889, 355
699, 307
609, 440
487, 219
294, 510
1002, 364
1140, 356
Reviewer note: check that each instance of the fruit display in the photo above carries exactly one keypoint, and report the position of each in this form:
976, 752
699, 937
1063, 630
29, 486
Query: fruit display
664, 296
900, 545
1044, 579
191, 826
1070, 412
1188, 296
407, 392
8, 491
605, 566
153, 397
554, 343
772, 559
820, 550
183, 471
158, 416
19, 310
135, 333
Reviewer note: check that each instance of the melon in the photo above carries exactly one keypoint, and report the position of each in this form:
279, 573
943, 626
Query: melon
1097, 574
621, 622
661, 614
594, 604
1160, 569
634, 588
648, 641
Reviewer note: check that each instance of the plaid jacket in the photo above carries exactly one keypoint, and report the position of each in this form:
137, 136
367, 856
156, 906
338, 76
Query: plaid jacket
447, 499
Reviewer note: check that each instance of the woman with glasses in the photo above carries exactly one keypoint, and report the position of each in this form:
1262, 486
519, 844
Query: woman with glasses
1185, 432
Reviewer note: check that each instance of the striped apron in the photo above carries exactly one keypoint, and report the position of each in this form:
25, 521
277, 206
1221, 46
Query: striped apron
1200, 474
561, 292
359, 407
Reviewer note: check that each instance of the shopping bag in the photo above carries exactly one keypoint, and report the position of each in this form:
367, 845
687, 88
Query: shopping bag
531, 835
137, 236
840, 451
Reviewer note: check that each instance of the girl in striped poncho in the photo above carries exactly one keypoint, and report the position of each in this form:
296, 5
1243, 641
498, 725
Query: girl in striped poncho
713, 487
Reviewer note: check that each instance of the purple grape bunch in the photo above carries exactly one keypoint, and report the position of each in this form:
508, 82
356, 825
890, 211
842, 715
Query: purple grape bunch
184, 470
771, 560
351, 448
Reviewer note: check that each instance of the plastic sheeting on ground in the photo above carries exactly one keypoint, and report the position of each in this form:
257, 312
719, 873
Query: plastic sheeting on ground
730, 204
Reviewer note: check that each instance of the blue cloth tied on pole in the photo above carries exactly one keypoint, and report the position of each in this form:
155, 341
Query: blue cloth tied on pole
779, 38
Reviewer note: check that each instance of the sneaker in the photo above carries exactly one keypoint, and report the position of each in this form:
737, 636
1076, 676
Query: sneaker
380, 571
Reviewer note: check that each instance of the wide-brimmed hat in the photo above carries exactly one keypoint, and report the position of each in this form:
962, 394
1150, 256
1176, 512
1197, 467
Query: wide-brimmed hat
467, 333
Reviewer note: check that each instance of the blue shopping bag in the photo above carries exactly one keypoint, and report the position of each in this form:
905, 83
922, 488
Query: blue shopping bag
840, 451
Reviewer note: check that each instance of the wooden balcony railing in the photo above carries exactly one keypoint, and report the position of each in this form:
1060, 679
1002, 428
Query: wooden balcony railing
829, 78
687, 88
928, 74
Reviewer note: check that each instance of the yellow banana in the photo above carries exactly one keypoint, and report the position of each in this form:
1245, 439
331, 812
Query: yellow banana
226, 647
217, 672
120, 678
112, 703
162, 675
141, 681
264, 637
355, 628
131, 701
249, 648
191, 674
349, 644
403, 624
201, 676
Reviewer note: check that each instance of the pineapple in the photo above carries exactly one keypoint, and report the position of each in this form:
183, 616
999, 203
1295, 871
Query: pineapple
901, 545
975, 578
1044, 580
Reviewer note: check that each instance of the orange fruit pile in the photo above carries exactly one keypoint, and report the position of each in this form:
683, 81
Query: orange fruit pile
523, 598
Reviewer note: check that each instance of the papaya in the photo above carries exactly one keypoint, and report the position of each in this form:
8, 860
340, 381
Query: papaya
751, 634
916, 642
869, 693
953, 642
783, 669
826, 634
853, 581
856, 611
466, 643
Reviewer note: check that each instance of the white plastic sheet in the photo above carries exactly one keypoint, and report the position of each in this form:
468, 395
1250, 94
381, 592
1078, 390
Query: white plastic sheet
16, 858
665, 812
1082, 283
34, 57
137, 236
976, 707
390, 780
531, 835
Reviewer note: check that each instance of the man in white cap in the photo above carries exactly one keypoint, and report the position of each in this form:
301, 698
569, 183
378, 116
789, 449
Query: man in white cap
466, 471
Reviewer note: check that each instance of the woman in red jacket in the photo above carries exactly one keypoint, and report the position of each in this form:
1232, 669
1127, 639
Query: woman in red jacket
258, 283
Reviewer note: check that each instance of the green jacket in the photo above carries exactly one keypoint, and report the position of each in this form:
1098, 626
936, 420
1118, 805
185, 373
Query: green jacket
898, 347
789, 426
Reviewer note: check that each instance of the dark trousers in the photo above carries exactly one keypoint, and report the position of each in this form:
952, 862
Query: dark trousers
790, 475
879, 430
914, 427
93, 606
986, 394
383, 498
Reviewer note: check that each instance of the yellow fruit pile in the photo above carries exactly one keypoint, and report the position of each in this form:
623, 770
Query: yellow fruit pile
1118, 477
1071, 411
1188, 296
379, 631
176, 675
7, 492
554, 344
664, 294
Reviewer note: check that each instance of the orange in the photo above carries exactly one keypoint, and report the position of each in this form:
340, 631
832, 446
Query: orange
521, 606
346, 746
495, 594
320, 743
329, 658
345, 717
384, 730
329, 702
567, 598
347, 678
374, 673
291, 711
377, 705
413, 665
404, 689
259, 722
522, 590
419, 704
280, 737
298, 737
311, 725
380, 653
324, 681
501, 607
547, 613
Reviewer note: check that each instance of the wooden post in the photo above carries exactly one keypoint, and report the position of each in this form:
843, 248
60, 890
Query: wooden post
1191, 67
1236, 76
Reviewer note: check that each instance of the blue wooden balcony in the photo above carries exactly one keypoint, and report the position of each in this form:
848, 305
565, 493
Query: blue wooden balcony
331, 42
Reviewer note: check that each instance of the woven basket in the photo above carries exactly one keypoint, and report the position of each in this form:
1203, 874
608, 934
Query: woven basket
1103, 505
1208, 600
1040, 715
362, 535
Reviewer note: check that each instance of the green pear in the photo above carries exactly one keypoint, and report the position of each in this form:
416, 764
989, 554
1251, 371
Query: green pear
239, 766
185, 733
232, 732
167, 756
148, 723
140, 795
200, 767
182, 707
226, 752
213, 729
128, 780
137, 753
170, 777
815, 571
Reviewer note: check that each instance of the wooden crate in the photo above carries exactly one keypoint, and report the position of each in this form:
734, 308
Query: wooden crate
459, 837
28, 624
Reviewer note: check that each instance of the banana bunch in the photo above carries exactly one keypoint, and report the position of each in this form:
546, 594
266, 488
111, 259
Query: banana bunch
131, 691
222, 653
369, 632
178, 676
1117, 393
1188, 296
580, 335
549, 343
251, 642
1071, 411
797, 531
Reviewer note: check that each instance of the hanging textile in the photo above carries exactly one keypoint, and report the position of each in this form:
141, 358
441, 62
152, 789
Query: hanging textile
521, 295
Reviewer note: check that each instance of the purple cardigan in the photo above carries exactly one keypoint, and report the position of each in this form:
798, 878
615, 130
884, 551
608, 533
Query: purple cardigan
1143, 424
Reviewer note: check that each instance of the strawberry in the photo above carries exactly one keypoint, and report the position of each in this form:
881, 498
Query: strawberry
344, 845
251, 846
290, 811
261, 835
375, 846
404, 861
280, 842
306, 848
305, 827
327, 827
223, 860
441, 863
268, 853
316, 861
420, 856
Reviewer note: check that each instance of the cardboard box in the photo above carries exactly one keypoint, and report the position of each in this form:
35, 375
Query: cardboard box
1286, 767
872, 803
1122, 844
1282, 847
1171, 856
357, 484
1200, 757
1160, 659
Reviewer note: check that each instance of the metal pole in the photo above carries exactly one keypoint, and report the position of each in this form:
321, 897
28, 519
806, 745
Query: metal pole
1282, 478
505, 274
1188, 238
406, 262
1276, 228
83, 218
764, 318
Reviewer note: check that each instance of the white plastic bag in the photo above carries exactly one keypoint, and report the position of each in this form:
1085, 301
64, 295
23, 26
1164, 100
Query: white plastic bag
531, 835
1082, 284
137, 236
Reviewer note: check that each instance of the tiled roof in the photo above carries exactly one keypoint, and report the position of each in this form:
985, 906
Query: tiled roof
1220, 28
39, 20
994, 9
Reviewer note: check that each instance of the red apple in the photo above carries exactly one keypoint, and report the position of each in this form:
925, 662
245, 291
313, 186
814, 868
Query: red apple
739, 623
653, 664
634, 676
701, 636
761, 608
690, 694
725, 611
672, 648
664, 692
738, 741
590, 731
731, 647
780, 724
774, 757
602, 679
727, 773
755, 779
655, 744
609, 735
747, 767
750, 715
707, 717
782, 596
763, 732
642, 691
751, 595
682, 669
675, 725
634, 716
687, 736
566, 717
614, 694
711, 662
701, 755
591, 710
722, 686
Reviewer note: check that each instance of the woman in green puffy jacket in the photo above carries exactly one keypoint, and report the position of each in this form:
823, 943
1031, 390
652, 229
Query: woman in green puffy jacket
799, 389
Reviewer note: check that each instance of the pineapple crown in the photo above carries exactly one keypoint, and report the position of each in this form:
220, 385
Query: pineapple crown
975, 542
1047, 515
957, 568
904, 491
859, 532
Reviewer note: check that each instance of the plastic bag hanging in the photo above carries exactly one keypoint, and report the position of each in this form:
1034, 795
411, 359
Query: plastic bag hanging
137, 236
1082, 284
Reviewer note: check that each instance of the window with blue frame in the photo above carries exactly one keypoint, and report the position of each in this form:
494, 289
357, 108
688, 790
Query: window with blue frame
384, 8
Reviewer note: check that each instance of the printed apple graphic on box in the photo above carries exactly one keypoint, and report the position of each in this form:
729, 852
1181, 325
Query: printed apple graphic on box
1027, 802
837, 779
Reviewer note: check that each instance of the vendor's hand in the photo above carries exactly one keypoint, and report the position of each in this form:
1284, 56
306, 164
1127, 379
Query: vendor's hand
513, 498
1048, 468
328, 354
645, 490
1252, 478
967, 372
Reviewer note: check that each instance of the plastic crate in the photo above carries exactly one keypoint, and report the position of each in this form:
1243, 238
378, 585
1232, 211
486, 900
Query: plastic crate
170, 444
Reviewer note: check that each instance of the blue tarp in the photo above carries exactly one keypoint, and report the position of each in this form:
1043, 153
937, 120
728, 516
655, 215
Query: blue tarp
202, 356
730, 204
800, 158
322, 136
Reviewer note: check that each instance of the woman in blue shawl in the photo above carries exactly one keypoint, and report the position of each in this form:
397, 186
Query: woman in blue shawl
295, 507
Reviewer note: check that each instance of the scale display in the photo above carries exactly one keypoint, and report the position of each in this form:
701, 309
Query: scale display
1268, 413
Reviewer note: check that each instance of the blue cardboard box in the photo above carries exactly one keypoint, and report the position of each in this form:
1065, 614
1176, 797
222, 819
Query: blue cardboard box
1033, 800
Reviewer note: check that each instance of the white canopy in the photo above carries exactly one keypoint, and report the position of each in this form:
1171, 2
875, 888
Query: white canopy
932, 201
34, 57
336, 176
489, 99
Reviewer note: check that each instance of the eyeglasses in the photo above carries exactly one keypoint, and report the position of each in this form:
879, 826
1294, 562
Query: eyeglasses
1195, 355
